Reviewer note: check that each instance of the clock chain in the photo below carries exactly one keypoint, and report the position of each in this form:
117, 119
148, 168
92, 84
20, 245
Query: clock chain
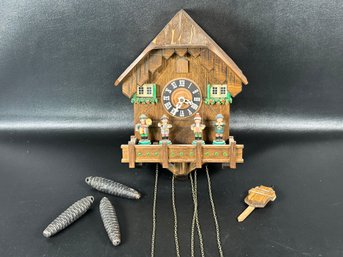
153, 235
177, 248
195, 219
221, 254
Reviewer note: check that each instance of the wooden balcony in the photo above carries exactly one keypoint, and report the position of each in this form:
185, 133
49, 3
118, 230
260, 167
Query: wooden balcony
181, 159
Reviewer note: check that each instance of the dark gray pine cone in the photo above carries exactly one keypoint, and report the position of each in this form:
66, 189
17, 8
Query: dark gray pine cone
110, 220
111, 187
70, 215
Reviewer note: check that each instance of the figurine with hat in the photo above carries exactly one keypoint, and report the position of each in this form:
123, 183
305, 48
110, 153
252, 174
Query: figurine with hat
197, 129
143, 129
219, 130
165, 127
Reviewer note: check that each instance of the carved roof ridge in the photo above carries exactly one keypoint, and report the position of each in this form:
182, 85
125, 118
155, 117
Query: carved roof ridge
183, 32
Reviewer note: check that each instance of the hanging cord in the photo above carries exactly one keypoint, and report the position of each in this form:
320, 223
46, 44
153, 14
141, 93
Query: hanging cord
153, 235
175, 218
195, 220
214, 213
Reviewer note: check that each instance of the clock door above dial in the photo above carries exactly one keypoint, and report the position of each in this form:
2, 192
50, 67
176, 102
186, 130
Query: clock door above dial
181, 98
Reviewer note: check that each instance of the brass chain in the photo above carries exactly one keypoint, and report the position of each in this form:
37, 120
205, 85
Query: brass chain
195, 220
153, 235
175, 218
214, 214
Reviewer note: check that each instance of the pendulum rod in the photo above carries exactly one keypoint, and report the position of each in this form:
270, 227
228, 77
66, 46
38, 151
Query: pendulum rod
195, 220
175, 218
214, 214
153, 235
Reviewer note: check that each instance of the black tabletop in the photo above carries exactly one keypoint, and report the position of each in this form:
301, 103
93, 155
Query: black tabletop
41, 175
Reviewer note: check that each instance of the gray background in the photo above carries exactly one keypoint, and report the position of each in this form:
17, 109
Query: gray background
61, 120
60, 58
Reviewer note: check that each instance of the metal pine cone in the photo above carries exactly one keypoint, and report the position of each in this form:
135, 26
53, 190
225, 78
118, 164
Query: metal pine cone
109, 218
112, 187
70, 215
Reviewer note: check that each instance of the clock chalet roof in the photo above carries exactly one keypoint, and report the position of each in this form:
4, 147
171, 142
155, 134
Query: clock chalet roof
182, 32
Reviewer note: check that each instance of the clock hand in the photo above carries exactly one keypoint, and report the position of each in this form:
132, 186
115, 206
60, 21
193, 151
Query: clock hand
179, 103
181, 99
189, 102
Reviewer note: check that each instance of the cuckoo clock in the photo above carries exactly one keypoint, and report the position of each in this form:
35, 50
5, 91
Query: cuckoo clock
181, 87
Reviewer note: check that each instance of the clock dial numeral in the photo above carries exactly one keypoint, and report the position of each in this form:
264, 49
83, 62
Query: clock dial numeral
174, 111
194, 106
168, 105
181, 98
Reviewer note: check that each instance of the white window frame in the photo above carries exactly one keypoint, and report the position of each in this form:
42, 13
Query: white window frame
149, 89
140, 88
225, 90
214, 88
145, 90
219, 91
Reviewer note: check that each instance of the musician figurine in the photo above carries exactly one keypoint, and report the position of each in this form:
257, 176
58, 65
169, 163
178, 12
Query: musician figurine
219, 130
165, 127
143, 129
197, 129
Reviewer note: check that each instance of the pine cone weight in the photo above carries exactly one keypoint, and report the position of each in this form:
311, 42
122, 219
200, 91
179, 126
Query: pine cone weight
111, 187
66, 218
110, 220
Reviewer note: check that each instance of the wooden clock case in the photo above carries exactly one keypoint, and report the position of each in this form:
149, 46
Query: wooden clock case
182, 50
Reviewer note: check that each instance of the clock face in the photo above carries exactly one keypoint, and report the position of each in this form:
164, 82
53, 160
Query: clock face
181, 98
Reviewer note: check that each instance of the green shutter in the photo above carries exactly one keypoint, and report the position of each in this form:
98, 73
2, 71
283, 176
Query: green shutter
228, 96
208, 91
154, 90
